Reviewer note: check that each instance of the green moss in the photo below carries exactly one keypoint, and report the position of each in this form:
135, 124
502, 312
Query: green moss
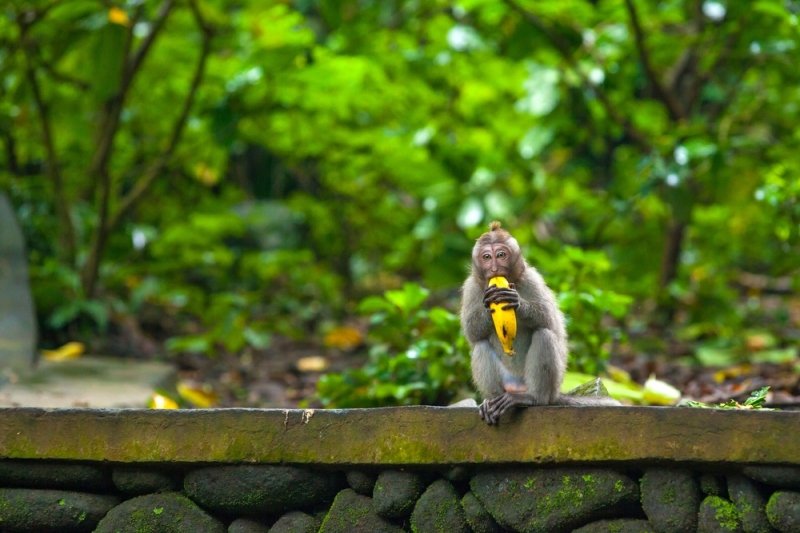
158, 511
772, 513
668, 495
726, 514
619, 486
529, 483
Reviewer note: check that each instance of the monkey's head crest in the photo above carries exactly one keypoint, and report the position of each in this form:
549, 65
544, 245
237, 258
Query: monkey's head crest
494, 235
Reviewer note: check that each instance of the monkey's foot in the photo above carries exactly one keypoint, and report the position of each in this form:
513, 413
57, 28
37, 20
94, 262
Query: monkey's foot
492, 410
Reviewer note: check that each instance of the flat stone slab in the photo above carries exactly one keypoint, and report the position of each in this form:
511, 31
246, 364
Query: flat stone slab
401, 436
87, 382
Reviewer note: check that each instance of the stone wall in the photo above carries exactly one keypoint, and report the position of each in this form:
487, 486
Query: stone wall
42, 496
173, 478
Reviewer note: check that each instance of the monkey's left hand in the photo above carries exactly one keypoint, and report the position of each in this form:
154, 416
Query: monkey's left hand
496, 295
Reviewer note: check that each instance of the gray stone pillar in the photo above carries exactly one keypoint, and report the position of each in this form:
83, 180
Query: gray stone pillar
17, 316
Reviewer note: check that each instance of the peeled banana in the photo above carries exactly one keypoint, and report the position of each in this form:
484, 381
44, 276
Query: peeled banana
505, 321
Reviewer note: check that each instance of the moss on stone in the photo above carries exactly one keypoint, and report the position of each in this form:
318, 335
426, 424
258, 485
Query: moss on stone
718, 515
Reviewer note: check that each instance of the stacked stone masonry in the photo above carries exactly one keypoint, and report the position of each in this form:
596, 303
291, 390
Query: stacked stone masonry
47, 496
421, 469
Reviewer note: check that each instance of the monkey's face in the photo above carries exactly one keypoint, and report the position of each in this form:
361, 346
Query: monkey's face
495, 260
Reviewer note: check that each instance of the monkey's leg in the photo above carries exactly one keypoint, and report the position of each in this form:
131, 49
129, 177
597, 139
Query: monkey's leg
545, 362
490, 375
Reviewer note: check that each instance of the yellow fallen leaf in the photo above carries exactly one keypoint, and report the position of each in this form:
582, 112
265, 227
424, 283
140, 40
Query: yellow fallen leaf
617, 374
161, 402
312, 364
344, 338
658, 392
118, 16
200, 396
71, 350
732, 372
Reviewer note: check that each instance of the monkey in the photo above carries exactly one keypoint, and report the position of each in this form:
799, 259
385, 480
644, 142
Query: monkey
533, 377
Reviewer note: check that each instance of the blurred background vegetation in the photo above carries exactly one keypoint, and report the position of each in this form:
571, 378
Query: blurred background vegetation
236, 185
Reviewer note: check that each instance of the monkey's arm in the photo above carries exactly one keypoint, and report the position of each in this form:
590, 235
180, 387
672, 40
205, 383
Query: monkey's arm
475, 321
533, 302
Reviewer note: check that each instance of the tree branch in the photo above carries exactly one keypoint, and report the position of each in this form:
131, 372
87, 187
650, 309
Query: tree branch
113, 108
143, 185
673, 106
563, 48
66, 231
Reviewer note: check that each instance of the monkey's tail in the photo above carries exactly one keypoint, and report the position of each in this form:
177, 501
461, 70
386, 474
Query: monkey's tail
599, 401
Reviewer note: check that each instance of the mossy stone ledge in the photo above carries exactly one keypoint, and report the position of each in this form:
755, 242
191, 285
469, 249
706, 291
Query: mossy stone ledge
400, 436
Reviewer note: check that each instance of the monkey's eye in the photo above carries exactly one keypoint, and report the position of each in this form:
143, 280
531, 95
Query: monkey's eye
487, 256
501, 255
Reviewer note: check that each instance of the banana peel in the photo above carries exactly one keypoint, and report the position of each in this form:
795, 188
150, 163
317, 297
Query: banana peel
505, 321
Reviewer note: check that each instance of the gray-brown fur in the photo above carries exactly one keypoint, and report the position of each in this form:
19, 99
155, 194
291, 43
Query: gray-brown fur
541, 342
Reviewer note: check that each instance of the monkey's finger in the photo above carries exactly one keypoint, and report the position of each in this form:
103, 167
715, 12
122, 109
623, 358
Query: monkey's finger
512, 305
512, 286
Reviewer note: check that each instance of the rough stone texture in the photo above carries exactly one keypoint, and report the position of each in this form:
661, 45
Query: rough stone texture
17, 316
139, 481
245, 525
47, 475
718, 516
439, 511
477, 516
396, 493
296, 522
552, 501
750, 504
361, 482
783, 511
620, 525
161, 513
784, 477
670, 499
250, 490
353, 513
711, 485
399, 436
51, 511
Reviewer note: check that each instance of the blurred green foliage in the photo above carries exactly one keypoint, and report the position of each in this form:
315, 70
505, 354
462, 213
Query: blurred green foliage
417, 356
226, 171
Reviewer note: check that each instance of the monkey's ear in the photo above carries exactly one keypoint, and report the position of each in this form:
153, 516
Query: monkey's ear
494, 226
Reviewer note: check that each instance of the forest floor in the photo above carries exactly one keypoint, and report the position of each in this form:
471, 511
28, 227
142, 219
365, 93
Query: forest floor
285, 375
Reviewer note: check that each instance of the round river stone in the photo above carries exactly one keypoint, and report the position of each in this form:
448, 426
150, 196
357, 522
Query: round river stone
162, 513
783, 511
477, 517
556, 500
52, 511
396, 492
439, 511
353, 513
252, 490
670, 499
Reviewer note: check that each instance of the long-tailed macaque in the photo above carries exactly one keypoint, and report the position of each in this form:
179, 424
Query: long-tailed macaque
534, 375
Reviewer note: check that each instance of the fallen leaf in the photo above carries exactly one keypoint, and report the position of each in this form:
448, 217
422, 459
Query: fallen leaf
312, 364
344, 338
159, 401
71, 350
202, 396
657, 392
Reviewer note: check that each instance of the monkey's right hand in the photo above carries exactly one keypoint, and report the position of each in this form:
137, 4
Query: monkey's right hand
496, 295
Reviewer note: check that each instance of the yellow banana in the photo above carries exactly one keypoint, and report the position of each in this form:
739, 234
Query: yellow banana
505, 322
